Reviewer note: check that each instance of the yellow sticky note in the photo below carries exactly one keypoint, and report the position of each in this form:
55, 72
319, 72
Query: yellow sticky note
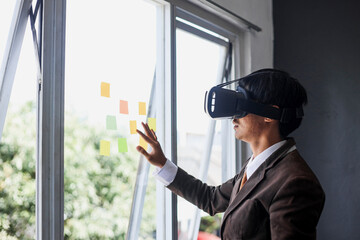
105, 148
152, 123
133, 127
105, 89
142, 108
143, 143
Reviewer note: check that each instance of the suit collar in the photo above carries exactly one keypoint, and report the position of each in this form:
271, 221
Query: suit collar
257, 176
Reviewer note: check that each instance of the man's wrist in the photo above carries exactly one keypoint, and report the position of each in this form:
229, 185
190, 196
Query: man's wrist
167, 173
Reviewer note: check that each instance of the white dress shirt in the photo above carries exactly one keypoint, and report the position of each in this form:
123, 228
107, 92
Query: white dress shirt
167, 173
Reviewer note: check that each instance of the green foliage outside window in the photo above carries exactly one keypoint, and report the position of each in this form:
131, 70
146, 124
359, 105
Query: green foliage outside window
98, 190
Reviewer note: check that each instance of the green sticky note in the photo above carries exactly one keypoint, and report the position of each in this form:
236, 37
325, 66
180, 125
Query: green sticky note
122, 145
111, 122
105, 148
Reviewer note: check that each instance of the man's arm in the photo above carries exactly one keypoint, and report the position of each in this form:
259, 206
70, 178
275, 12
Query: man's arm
208, 198
296, 208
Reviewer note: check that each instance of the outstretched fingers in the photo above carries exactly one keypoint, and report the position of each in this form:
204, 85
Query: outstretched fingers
143, 151
147, 130
146, 138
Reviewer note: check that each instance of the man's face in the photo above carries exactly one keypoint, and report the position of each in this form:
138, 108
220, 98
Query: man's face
248, 128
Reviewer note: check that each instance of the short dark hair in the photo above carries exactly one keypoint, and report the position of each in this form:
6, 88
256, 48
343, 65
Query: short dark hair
276, 87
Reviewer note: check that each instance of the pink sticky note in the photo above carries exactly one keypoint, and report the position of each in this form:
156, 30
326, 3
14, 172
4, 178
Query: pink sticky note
124, 109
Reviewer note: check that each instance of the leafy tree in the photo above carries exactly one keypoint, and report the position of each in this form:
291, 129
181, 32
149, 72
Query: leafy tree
98, 189
17, 174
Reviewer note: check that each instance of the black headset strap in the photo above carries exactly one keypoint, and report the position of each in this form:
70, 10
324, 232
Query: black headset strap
259, 109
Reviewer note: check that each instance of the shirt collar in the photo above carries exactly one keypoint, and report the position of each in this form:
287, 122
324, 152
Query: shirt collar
254, 163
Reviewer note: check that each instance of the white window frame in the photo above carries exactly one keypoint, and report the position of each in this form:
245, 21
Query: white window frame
238, 32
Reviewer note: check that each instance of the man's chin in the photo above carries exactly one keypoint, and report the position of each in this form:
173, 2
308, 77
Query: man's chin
240, 138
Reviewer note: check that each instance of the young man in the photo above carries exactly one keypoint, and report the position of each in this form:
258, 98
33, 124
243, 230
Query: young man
275, 195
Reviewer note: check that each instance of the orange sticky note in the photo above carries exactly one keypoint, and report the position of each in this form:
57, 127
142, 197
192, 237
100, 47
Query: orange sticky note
105, 89
133, 127
124, 109
152, 123
142, 108
105, 148
143, 143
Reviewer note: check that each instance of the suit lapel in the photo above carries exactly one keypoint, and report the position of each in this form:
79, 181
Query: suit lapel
256, 177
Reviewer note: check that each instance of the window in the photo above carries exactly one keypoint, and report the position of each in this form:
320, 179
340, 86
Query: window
110, 68
18, 139
126, 62
201, 57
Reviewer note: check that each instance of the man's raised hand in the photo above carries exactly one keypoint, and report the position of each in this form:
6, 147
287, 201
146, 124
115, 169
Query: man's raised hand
156, 157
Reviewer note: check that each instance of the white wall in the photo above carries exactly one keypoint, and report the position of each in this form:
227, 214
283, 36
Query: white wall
258, 12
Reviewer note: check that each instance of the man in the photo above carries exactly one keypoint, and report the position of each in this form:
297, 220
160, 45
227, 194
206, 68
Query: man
275, 195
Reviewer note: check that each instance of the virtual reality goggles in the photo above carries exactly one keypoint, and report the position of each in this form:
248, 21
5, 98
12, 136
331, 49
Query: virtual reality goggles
225, 103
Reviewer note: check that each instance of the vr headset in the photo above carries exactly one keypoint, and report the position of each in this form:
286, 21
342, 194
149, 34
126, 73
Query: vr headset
223, 103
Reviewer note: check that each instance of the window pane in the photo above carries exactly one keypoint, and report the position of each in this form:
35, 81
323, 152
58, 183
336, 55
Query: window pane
18, 142
6, 13
110, 64
197, 71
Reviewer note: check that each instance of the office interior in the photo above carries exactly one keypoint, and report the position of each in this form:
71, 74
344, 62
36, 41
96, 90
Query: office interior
78, 77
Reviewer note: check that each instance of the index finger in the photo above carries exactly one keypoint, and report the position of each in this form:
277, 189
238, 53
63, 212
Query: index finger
147, 130
146, 138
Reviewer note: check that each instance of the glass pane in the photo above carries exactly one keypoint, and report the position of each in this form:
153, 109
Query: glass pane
6, 14
18, 142
110, 64
197, 71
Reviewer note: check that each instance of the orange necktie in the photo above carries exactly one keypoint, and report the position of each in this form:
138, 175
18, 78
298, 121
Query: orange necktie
243, 181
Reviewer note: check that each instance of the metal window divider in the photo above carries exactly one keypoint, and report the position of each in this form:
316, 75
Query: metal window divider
11, 56
204, 167
141, 182
50, 132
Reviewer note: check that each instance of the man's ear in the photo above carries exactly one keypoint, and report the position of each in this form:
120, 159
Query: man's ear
268, 119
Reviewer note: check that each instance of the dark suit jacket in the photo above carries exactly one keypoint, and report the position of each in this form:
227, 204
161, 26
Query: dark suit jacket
281, 200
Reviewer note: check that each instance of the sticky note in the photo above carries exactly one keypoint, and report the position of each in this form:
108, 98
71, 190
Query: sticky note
143, 143
124, 109
105, 148
105, 89
152, 123
111, 122
142, 108
133, 127
122, 145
